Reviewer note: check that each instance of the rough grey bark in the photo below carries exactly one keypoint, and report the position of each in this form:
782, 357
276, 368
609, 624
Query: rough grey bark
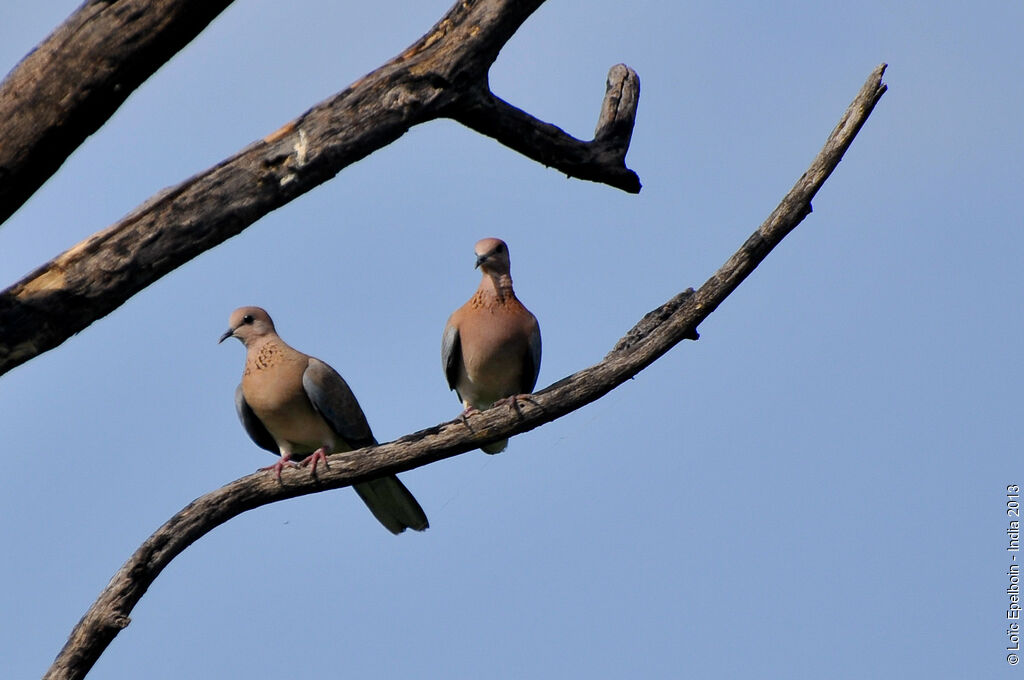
73, 81
653, 336
444, 74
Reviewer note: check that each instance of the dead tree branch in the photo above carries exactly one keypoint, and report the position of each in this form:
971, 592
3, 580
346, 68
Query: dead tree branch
602, 160
652, 337
70, 84
444, 74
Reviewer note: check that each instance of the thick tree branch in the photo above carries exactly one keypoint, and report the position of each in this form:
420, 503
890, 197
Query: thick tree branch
652, 337
73, 81
444, 74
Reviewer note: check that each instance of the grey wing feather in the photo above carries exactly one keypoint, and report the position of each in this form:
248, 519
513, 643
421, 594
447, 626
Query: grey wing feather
253, 425
332, 398
388, 499
532, 367
451, 356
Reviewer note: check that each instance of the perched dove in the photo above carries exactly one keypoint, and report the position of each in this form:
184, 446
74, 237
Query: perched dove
490, 350
296, 405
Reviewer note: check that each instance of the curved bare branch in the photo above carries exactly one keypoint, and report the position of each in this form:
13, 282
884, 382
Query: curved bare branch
653, 336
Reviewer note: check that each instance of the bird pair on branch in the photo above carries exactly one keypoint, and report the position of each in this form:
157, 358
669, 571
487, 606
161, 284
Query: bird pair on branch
299, 407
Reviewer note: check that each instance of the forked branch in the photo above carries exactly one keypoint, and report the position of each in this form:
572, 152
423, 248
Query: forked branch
652, 337
601, 160
444, 74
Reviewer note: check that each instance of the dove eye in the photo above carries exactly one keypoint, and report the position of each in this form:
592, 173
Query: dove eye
247, 318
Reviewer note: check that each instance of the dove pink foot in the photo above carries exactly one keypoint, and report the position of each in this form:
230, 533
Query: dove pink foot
285, 461
317, 456
513, 402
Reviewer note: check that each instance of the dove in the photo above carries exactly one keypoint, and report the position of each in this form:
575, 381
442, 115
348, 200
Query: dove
297, 406
490, 350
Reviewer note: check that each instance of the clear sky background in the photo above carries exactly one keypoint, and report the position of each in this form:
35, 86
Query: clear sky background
816, 488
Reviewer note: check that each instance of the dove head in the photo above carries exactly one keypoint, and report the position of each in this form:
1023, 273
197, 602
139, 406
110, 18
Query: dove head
492, 256
247, 324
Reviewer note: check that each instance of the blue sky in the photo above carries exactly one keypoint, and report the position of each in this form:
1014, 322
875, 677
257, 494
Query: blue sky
815, 488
